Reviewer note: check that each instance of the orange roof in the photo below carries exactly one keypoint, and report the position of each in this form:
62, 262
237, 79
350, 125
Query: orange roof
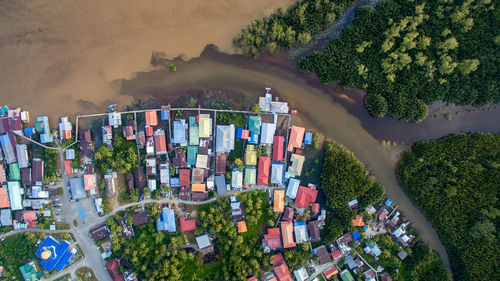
4, 198
198, 187
296, 137
287, 234
151, 118
89, 181
242, 226
68, 170
282, 272
358, 221
279, 203
329, 273
66, 134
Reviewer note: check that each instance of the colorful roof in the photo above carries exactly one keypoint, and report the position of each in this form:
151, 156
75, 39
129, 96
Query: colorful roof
242, 226
15, 173
202, 161
151, 118
282, 272
296, 137
89, 181
297, 163
300, 231
287, 234
187, 225
113, 268
250, 176
68, 170
272, 239
264, 166
305, 196
192, 151
220, 164
160, 142
205, 127
166, 222
278, 143
184, 177
251, 155
4, 198
198, 187
60, 256
358, 221
329, 273
15, 192
254, 123
29, 215
278, 202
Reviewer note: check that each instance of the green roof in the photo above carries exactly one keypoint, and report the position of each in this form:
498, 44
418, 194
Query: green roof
193, 131
345, 275
29, 272
191, 155
254, 124
15, 173
250, 176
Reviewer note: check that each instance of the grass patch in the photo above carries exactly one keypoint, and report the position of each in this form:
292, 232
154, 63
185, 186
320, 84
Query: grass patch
85, 274
238, 150
312, 166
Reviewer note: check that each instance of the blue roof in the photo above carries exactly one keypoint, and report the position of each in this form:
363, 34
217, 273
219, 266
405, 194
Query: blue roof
175, 182
4, 140
308, 138
164, 114
356, 236
388, 202
166, 221
60, 255
29, 131
179, 132
253, 139
239, 133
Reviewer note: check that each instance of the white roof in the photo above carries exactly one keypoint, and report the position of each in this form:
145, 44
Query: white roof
237, 179
267, 133
203, 241
22, 155
277, 173
152, 185
300, 274
293, 188
202, 161
164, 174
225, 138
5, 217
180, 127
300, 232
70, 154
77, 190
98, 205
114, 119
15, 192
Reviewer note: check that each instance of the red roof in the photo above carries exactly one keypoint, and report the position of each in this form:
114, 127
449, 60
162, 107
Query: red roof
2, 175
273, 238
113, 267
305, 196
66, 134
277, 259
160, 143
149, 131
263, 172
184, 177
336, 254
283, 273
187, 225
296, 137
278, 142
89, 181
244, 134
287, 233
29, 215
68, 170
4, 198
315, 208
151, 118
253, 278
331, 271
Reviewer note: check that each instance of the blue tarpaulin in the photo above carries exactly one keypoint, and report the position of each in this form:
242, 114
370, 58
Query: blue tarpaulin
388, 202
308, 138
356, 236
239, 133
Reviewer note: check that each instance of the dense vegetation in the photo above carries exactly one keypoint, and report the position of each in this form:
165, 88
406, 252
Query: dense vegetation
14, 252
287, 28
411, 53
344, 178
123, 158
455, 182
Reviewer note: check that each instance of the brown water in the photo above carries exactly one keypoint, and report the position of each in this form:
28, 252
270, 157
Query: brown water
336, 113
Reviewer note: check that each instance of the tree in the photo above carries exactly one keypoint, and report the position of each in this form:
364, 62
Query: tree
376, 105
172, 67
255, 108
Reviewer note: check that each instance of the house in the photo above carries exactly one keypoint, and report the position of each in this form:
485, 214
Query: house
295, 168
152, 184
250, 156
315, 208
3, 178
225, 138
385, 277
15, 173
332, 271
369, 275
236, 208
113, 268
205, 146
99, 233
305, 197
203, 242
107, 135
250, 176
151, 167
300, 231
151, 118
98, 206
358, 221
4, 198
254, 124
356, 236
164, 174
68, 169
187, 225
293, 188
30, 272
220, 164
237, 179
37, 171
70, 154
343, 242
127, 229
192, 151
277, 173
372, 249
8, 149
278, 145
267, 133
180, 159
314, 231
22, 156
77, 188
29, 216
296, 137
44, 129
150, 145
322, 253
15, 192
160, 142
6, 217
199, 196
242, 226
336, 254
165, 112
198, 175
128, 133
180, 128
353, 204
287, 234
263, 173
140, 139
166, 222
139, 178
220, 183
345, 275
278, 202
25, 176
301, 274
272, 240
194, 138
202, 161
184, 177
114, 119
109, 179
140, 218
288, 214
205, 126
282, 272
85, 144
198, 187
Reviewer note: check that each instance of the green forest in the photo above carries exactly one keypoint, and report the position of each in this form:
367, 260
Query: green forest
408, 54
455, 182
286, 28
